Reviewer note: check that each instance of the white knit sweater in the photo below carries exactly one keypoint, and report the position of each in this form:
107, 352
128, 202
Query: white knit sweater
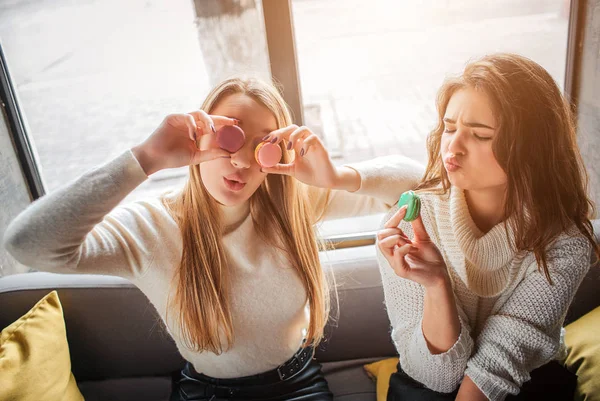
75, 230
511, 317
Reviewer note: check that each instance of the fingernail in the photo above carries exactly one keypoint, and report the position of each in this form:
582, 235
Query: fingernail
266, 138
212, 127
274, 140
289, 145
302, 152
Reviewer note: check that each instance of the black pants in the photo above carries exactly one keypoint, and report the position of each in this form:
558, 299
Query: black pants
548, 382
306, 383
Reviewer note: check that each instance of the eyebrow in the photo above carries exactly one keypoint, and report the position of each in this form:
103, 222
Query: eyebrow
471, 125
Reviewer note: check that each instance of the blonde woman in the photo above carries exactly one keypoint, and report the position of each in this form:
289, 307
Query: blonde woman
478, 287
230, 261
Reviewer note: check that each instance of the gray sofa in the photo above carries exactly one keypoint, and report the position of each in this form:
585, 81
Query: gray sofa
120, 351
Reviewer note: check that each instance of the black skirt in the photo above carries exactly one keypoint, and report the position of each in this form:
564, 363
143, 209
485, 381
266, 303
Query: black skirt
300, 378
551, 381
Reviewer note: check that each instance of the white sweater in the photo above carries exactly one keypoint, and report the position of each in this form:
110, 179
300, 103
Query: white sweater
511, 317
75, 230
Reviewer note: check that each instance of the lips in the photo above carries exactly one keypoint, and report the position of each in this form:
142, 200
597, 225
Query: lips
451, 164
234, 182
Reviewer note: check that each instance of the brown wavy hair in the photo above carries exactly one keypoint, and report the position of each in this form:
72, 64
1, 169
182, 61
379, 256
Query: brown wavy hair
536, 146
283, 217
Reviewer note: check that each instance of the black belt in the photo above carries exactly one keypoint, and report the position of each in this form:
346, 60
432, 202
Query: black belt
295, 365
190, 379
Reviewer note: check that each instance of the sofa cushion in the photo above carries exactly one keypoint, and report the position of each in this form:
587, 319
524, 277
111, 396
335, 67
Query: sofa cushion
587, 296
381, 372
360, 327
111, 326
583, 354
34, 356
348, 381
127, 389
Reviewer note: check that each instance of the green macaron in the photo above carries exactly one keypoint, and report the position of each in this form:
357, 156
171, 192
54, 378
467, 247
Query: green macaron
410, 199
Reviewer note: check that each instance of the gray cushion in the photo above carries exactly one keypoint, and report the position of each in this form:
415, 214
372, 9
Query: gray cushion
360, 328
111, 326
348, 380
127, 389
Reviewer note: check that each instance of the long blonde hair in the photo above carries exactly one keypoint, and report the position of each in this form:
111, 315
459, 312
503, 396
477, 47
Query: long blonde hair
280, 210
536, 146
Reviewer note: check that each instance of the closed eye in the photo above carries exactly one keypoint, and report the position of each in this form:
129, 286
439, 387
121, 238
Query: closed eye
482, 138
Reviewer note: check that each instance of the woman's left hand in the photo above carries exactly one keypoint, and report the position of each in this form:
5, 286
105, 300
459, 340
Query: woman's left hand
312, 164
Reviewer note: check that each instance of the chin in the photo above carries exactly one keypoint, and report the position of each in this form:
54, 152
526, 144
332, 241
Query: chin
230, 199
458, 182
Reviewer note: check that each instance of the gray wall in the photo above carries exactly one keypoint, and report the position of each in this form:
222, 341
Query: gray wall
588, 96
14, 196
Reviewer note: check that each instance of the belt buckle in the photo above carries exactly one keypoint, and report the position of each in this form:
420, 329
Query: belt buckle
293, 366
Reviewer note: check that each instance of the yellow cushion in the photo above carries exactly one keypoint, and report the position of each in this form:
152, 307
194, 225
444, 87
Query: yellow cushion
34, 356
380, 372
583, 354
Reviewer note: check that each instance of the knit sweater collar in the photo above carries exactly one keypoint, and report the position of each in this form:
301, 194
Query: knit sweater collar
487, 257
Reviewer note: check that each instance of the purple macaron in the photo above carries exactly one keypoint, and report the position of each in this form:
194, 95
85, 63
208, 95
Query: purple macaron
231, 138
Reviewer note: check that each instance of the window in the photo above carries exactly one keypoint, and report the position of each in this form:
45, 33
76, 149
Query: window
370, 70
96, 78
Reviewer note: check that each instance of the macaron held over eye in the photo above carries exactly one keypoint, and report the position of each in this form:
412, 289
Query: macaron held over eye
232, 138
267, 154
413, 203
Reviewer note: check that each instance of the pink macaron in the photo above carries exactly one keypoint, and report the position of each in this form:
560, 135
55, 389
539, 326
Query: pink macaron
231, 138
267, 154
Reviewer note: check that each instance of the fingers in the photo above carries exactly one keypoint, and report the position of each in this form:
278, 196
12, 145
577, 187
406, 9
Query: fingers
210, 123
401, 268
419, 230
209, 154
220, 121
386, 232
203, 121
280, 168
312, 141
393, 240
293, 134
395, 220
300, 134
191, 125
279, 134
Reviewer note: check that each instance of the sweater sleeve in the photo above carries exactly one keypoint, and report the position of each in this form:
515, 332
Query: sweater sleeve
524, 333
383, 180
72, 230
404, 301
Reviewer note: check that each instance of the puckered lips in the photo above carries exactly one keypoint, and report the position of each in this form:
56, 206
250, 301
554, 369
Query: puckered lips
451, 164
234, 182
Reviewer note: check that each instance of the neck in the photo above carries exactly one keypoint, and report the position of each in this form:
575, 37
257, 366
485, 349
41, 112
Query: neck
486, 207
233, 216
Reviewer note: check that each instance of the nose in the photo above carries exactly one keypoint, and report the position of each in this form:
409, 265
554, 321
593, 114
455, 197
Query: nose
457, 144
243, 157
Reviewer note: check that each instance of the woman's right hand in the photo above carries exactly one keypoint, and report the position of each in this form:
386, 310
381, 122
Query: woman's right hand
175, 142
418, 260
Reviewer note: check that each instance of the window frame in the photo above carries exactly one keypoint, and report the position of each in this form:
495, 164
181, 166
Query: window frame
18, 132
